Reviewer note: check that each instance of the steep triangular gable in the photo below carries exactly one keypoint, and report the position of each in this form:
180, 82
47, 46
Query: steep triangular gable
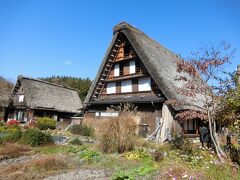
121, 52
160, 63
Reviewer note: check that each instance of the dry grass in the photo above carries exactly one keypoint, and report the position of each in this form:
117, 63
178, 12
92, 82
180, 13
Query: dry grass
9, 151
19, 175
13, 168
146, 144
118, 133
48, 163
95, 123
16, 171
35, 169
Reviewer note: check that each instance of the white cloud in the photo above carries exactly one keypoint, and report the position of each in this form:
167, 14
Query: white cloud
66, 62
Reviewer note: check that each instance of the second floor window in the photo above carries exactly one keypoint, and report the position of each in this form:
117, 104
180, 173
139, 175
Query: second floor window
20, 98
116, 70
126, 86
144, 84
111, 88
132, 67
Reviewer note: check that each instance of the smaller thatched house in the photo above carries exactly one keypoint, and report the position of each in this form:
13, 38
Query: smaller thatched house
36, 98
5, 100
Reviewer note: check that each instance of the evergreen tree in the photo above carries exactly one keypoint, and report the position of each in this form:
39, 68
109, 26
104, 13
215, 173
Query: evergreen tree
81, 85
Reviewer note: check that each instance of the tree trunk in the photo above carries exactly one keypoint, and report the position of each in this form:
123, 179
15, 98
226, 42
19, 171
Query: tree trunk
212, 130
216, 140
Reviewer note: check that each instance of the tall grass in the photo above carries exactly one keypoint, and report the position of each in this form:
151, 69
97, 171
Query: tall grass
117, 134
9, 151
49, 163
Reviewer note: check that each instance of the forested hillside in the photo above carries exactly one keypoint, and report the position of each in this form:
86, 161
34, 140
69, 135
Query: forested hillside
82, 85
5, 85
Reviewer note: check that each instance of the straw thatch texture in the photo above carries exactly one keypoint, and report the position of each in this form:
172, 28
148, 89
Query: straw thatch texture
40, 94
4, 99
159, 62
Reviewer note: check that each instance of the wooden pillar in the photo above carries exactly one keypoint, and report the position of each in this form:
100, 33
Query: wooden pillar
167, 120
169, 125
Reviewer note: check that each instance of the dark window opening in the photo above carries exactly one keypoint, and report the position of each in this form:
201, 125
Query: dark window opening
127, 50
190, 126
120, 69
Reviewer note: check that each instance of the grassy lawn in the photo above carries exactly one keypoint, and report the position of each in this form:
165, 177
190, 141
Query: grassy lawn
148, 160
137, 164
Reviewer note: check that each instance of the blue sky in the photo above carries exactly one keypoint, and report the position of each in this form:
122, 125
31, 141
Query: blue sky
40, 38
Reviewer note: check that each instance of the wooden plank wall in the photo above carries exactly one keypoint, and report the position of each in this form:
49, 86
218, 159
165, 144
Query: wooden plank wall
126, 68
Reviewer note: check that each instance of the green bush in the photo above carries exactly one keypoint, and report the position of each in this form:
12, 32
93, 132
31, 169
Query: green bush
122, 175
158, 156
183, 144
83, 130
88, 154
34, 137
1, 123
235, 154
3, 129
76, 149
75, 141
136, 155
134, 173
13, 135
45, 123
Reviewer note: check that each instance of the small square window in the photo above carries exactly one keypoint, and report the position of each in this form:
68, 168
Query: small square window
20, 98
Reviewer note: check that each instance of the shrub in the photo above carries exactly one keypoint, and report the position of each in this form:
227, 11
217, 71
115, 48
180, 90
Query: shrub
87, 130
45, 123
75, 141
235, 154
34, 137
83, 130
12, 123
1, 123
89, 154
144, 170
13, 135
3, 129
183, 144
118, 134
158, 155
75, 128
74, 149
136, 155
134, 173
122, 175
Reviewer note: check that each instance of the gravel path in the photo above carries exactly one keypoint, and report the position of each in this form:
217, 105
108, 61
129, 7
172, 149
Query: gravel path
83, 174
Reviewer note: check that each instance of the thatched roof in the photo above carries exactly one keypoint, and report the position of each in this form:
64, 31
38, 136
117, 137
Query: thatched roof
160, 62
40, 94
4, 99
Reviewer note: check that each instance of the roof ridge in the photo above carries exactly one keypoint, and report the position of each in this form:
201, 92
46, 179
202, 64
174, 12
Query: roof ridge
124, 25
46, 82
